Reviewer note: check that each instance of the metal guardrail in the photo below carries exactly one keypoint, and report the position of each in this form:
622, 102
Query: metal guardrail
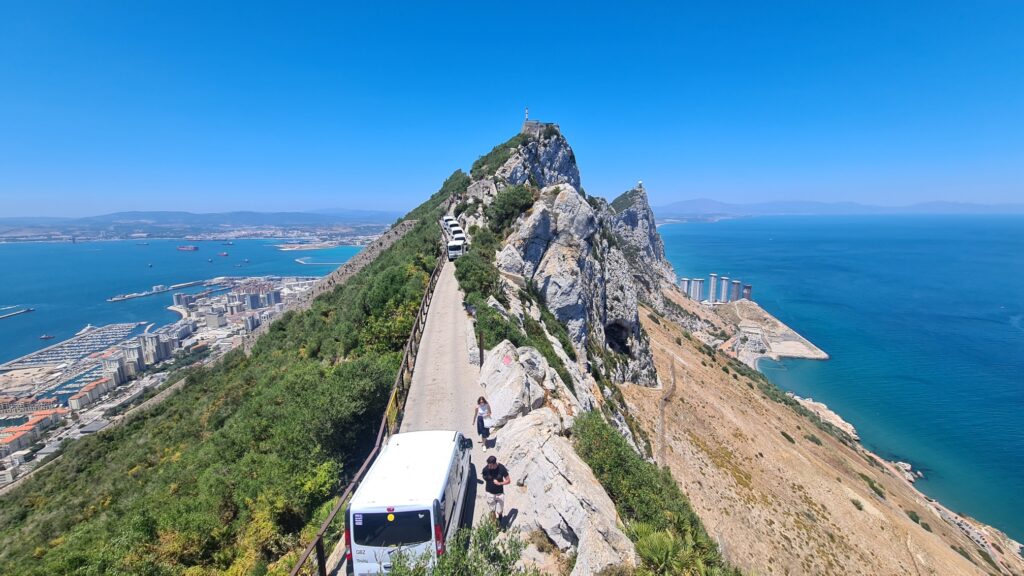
388, 425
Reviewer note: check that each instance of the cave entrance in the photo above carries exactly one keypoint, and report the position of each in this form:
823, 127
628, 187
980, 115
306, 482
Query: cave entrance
616, 335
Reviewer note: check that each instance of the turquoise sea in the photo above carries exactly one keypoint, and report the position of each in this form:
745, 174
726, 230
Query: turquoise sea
68, 284
923, 317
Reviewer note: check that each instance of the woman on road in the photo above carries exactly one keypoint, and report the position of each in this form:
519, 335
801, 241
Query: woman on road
483, 411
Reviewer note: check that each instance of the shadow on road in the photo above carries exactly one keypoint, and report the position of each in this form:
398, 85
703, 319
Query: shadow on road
508, 519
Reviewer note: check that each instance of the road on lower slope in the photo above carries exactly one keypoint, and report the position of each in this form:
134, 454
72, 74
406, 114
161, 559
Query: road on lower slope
445, 383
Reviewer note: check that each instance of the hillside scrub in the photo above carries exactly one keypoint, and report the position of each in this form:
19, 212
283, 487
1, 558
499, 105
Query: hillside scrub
669, 536
506, 207
489, 163
236, 470
475, 552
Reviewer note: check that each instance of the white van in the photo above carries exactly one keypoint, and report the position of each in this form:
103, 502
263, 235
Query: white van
411, 500
456, 248
449, 221
459, 236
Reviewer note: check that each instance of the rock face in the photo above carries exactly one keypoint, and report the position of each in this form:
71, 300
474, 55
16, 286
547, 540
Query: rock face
565, 499
634, 224
592, 265
555, 491
541, 162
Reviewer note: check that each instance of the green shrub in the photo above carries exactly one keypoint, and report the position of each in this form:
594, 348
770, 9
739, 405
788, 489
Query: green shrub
537, 339
476, 552
857, 504
558, 330
913, 516
489, 163
647, 497
926, 526
873, 485
787, 437
813, 439
506, 207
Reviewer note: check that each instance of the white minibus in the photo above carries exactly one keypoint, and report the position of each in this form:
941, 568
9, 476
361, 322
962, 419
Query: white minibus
456, 248
410, 501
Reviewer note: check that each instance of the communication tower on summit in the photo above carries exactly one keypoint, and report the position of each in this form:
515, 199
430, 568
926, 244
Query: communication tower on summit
527, 118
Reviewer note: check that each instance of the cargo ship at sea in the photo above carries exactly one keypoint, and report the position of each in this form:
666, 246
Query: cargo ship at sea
188, 248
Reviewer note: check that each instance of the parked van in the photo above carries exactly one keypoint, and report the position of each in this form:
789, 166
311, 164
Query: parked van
411, 500
456, 248
459, 236
449, 221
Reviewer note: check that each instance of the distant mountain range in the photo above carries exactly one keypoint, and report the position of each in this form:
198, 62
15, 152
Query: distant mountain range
704, 208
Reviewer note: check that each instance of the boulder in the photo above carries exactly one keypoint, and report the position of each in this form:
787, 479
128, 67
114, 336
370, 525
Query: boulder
554, 491
509, 388
482, 191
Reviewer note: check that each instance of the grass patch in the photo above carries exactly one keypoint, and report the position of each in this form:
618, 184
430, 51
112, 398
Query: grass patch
813, 439
872, 484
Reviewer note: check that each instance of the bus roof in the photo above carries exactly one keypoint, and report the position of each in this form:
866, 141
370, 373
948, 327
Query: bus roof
411, 469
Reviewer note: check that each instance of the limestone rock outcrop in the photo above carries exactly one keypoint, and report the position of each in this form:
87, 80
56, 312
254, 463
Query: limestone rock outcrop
516, 381
562, 496
543, 162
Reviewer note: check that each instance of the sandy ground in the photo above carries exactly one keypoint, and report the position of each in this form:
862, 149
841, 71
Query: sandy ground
781, 506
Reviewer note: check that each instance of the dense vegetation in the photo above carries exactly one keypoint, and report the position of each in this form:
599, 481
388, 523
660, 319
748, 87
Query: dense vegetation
669, 536
476, 552
236, 470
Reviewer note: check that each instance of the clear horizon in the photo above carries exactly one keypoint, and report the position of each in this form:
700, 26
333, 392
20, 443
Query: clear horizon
256, 107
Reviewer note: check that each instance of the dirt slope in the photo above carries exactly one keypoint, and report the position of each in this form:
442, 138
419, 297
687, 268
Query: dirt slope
787, 505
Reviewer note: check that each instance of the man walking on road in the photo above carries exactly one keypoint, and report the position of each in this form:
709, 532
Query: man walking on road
495, 477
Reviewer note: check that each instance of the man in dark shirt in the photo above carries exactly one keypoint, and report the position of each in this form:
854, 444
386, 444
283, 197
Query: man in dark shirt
495, 478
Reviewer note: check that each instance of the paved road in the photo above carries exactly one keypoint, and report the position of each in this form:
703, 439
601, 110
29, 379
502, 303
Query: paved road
444, 383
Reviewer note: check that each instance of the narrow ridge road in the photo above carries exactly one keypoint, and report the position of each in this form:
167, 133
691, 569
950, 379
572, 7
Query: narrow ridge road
445, 384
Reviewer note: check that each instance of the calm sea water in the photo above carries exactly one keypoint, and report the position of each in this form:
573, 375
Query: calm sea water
68, 284
924, 319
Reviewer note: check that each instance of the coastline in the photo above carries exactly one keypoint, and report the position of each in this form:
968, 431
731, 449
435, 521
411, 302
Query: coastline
751, 320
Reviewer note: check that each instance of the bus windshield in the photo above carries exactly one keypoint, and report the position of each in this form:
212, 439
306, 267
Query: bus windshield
387, 529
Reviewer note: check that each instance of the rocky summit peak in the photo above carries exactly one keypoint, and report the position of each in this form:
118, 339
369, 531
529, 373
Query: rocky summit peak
592, 262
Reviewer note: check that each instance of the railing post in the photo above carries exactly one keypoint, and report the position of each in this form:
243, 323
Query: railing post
321, 562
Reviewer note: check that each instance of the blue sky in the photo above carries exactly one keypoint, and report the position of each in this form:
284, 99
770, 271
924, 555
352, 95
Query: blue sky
108, 106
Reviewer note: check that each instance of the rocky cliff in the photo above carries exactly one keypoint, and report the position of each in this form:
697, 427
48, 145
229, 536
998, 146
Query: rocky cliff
591, 262
780, 490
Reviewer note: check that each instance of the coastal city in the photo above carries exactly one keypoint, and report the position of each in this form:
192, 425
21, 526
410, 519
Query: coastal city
78, 386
